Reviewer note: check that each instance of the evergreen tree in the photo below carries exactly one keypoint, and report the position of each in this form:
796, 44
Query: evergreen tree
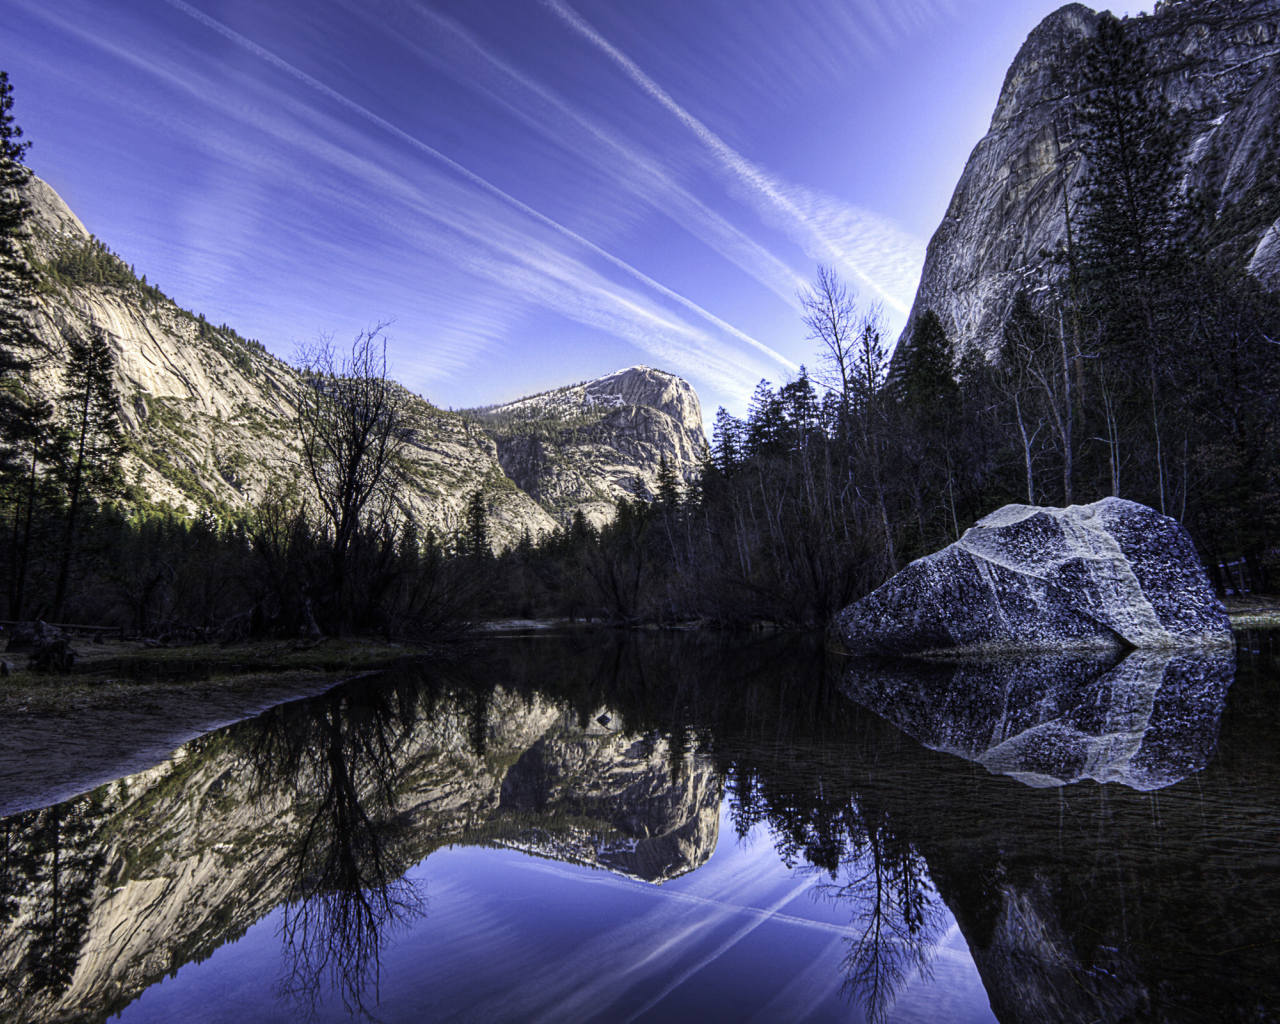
18, 282
726, 441
1132, 215
96, 439
668, 485
1132, 206
31, 447
799, 405
581, 532
478, 525
765, 423
926, 377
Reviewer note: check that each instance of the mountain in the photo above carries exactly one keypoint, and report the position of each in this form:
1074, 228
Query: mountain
585, 446
210, 414
1216, 63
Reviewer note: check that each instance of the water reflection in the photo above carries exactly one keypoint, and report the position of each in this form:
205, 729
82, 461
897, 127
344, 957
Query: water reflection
334, 759
1081, 903
1146, 720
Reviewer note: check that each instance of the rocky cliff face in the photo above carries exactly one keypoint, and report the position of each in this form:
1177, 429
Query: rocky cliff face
586, 446
212, 414
1216, 60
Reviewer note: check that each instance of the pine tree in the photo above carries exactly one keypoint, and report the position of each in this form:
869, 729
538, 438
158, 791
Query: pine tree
727, 441
581, 532
765, 423
1132, 207
478, 525
18, 281
800, 406
668, 485
1132, 214
926, 377
96, 438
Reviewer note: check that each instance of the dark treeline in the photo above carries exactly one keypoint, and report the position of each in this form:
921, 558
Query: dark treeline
76, 548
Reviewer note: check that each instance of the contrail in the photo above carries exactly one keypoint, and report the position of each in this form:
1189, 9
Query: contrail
727, 239
730, 158
472, 177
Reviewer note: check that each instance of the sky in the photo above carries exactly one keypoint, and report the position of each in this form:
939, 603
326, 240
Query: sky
532, 192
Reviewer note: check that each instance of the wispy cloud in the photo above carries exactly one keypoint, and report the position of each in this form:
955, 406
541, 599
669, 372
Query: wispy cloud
881, 261
480, 183
544, 110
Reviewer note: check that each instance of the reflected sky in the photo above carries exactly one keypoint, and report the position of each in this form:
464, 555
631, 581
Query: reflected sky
538, 191
513, 938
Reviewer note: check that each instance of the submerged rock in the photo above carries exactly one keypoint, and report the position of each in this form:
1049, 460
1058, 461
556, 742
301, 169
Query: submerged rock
1108, 575
1146, 721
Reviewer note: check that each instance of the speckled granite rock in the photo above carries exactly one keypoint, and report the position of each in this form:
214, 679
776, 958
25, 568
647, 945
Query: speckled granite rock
1146, 722
1107, 575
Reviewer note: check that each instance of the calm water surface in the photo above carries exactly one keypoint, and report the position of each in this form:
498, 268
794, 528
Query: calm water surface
681, 828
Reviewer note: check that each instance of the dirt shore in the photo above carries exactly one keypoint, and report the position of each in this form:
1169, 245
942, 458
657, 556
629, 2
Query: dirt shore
127, 673
126, 707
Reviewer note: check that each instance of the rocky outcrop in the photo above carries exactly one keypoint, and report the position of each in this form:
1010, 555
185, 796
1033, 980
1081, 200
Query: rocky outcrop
1147, 722
584, 447
1008, 213
1025, 578
212, 413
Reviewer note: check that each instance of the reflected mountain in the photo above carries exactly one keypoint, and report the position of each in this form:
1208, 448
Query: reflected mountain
1153, 901
1146, 721
319, 808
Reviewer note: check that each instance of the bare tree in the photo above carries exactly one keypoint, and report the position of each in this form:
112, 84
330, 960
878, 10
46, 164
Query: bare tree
351, 423
831, 314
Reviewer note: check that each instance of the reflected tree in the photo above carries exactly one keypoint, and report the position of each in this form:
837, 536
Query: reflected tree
49, 868
885, 881
338, 757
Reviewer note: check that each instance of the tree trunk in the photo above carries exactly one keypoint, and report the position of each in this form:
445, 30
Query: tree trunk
77, 476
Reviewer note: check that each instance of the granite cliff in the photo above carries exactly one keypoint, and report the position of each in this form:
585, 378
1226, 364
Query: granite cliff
586, 446
210, 414
1216, 62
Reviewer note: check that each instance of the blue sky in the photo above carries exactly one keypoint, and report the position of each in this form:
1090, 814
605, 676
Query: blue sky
537, 191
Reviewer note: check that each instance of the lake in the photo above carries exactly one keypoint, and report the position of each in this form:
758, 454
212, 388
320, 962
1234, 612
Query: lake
679, 827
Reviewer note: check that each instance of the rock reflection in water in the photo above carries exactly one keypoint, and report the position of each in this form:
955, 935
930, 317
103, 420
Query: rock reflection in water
1147, 720
1092, 903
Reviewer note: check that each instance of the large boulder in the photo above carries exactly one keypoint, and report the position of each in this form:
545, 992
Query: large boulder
1107, 575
